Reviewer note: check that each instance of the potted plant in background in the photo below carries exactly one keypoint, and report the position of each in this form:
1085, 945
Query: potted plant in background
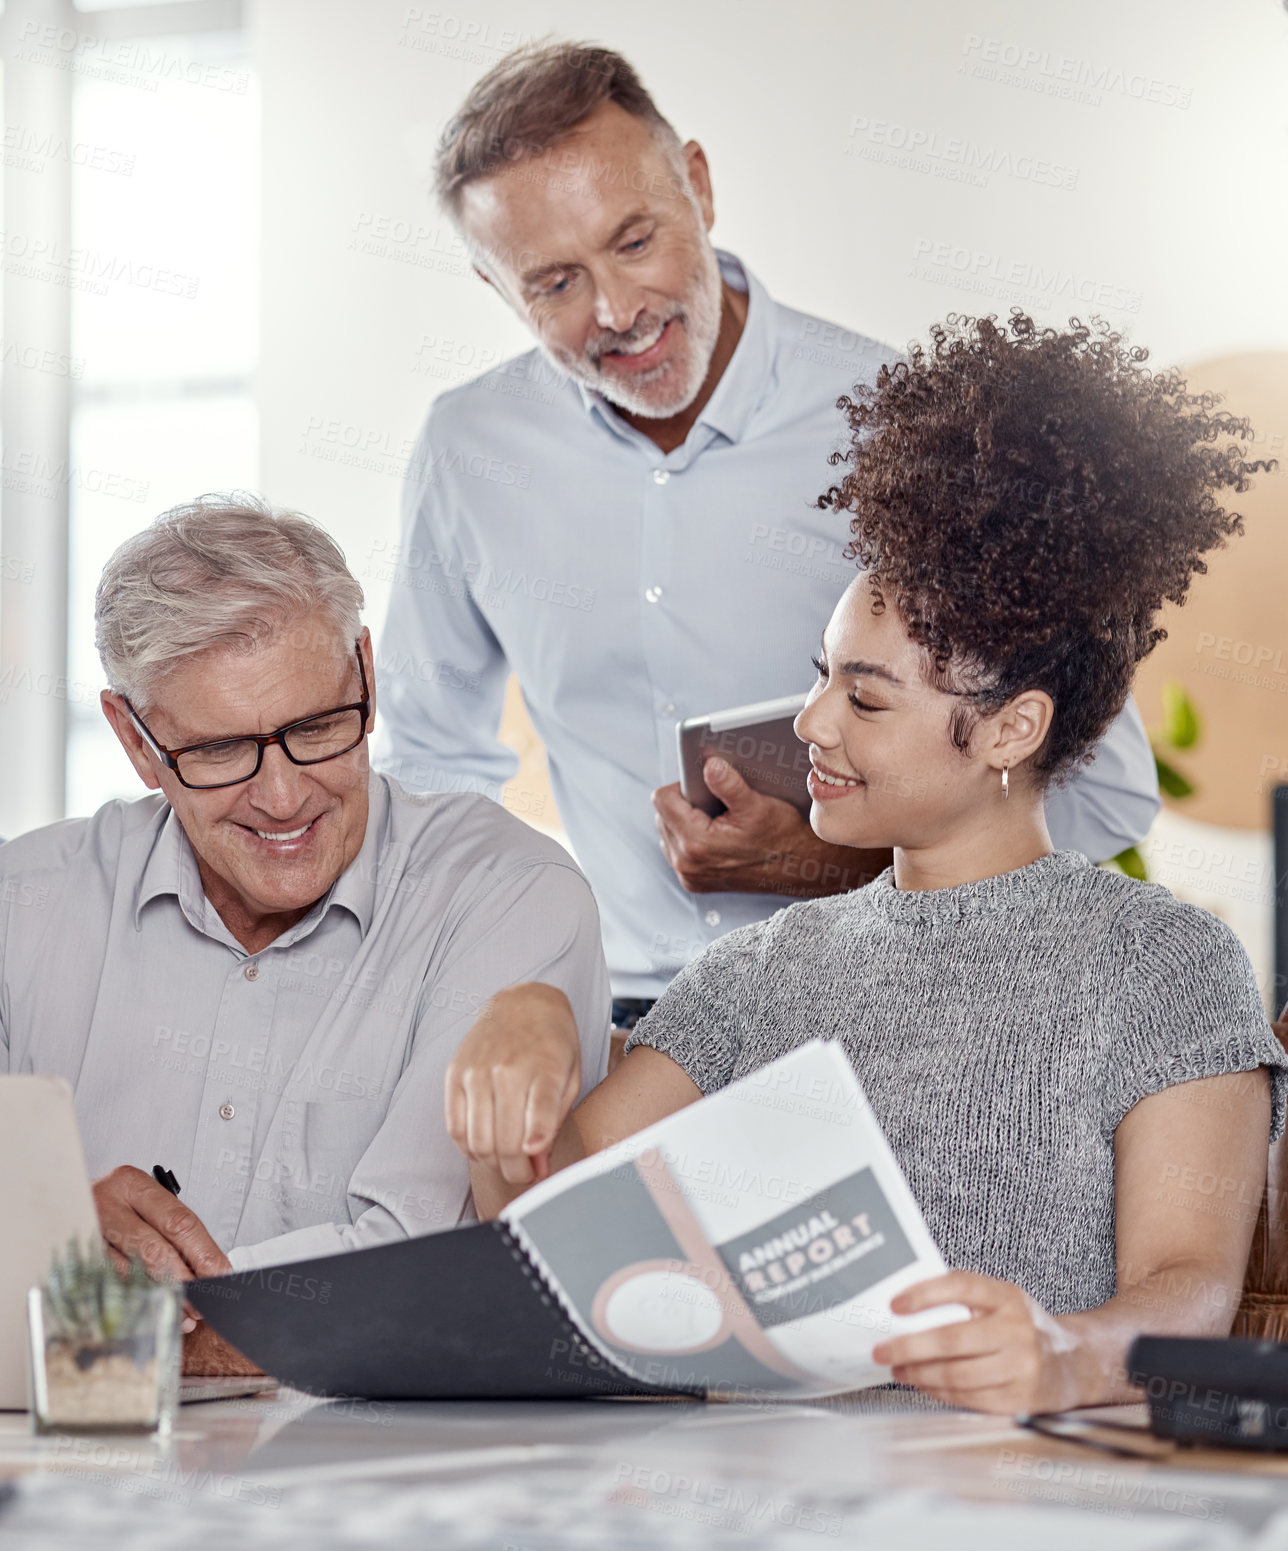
105, 1346
1180, 730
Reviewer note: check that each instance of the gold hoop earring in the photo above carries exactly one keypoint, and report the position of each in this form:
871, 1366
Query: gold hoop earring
1006, 780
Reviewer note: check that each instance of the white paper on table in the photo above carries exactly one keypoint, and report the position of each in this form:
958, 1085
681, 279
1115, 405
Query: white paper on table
751, 1242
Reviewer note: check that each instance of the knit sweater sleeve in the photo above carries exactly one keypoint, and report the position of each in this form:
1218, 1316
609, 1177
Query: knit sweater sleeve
701, 1018
1190, 1008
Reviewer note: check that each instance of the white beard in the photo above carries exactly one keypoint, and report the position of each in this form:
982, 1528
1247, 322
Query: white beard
666, 390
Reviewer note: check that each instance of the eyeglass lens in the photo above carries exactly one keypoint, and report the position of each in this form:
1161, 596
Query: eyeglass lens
322, 737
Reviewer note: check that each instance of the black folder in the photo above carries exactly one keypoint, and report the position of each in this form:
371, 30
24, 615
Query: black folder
459, 1315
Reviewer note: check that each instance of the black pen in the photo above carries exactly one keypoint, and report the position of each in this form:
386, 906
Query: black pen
166, 1179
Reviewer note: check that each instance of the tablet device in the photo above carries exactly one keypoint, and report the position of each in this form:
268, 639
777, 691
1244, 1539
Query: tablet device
758, 741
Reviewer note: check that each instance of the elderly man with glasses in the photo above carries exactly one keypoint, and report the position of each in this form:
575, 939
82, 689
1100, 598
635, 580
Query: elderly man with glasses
257, 978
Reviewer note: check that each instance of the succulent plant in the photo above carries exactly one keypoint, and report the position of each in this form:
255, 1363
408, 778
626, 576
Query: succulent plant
90, 1302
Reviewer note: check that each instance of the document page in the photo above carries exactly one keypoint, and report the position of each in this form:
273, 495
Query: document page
749, 1244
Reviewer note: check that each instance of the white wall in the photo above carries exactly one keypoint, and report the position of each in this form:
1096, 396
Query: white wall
1174, 223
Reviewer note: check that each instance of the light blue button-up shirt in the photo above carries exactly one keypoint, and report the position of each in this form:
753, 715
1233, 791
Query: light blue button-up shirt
629, 589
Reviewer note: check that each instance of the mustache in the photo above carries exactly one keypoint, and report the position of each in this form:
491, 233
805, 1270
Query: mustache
608, 341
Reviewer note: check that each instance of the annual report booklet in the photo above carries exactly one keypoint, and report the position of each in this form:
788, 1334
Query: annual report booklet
746, 1246
749, 1243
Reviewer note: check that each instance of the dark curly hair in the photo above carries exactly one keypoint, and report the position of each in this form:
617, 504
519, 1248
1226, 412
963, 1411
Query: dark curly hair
1027, 499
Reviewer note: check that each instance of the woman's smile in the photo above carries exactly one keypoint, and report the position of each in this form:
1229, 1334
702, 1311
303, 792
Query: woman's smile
826, 784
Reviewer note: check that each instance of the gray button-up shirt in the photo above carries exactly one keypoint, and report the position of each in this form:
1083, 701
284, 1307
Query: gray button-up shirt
297, 1093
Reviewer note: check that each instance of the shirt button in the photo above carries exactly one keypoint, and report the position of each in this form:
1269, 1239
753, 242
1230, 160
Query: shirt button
226, 1112
712, 918
660, 476
251, 972
668, 709
653, 594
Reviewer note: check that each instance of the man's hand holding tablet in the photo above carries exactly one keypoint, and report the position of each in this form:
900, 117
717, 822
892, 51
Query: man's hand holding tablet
758, 845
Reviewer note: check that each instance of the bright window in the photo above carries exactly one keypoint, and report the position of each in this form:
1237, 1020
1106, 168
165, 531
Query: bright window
163, 409
131, 294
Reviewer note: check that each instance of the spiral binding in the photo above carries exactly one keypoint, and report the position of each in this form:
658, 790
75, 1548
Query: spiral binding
550, 1295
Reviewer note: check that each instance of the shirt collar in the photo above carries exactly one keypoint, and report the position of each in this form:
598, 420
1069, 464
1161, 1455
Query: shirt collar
171, 869
744, 381
355, 889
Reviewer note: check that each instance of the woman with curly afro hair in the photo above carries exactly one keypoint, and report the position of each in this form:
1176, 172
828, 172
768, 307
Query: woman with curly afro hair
1073, 1068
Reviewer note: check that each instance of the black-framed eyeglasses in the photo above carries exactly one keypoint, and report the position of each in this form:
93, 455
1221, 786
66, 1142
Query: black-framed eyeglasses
230, 761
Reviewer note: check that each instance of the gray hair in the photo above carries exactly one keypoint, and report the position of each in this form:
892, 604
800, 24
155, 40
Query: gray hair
528, 102
220, 571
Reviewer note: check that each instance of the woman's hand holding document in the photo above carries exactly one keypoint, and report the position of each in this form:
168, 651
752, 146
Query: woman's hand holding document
751, 1243
1011, 1352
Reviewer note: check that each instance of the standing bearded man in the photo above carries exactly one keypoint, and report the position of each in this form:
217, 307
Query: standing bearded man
634, 534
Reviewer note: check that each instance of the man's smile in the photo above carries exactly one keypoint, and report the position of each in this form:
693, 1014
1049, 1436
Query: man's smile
280, 842
644, 352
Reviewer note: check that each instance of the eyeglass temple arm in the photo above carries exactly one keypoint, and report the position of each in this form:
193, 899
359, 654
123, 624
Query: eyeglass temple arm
164, 755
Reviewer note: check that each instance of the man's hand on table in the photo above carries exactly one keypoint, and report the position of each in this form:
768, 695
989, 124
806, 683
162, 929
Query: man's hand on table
759, 845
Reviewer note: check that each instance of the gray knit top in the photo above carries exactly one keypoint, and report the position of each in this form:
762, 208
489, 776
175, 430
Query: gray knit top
1001, 1030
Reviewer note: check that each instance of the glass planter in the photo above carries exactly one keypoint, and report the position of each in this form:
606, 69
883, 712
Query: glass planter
129, 1383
